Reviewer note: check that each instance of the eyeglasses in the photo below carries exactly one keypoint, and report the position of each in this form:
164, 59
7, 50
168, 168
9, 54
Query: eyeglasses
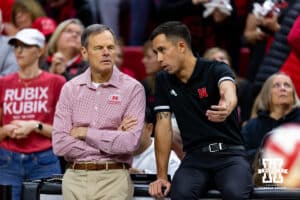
70, 31
282, 85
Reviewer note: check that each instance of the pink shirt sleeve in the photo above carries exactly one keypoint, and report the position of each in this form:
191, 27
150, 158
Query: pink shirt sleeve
63, 143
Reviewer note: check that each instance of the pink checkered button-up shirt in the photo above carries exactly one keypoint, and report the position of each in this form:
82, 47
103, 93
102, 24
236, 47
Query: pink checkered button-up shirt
100, 109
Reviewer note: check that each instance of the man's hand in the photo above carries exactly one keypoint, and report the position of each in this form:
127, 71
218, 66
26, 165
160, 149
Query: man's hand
220, 112
127, 124
159, 188
79, 132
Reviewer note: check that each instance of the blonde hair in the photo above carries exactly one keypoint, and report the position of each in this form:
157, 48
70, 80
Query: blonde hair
264, 100
211, 51
147, 45
31, 6
52, 46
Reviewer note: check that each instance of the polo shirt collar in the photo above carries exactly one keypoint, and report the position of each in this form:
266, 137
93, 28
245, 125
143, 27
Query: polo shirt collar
197, 70
195, 74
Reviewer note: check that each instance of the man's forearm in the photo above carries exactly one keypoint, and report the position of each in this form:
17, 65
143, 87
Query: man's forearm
163, 142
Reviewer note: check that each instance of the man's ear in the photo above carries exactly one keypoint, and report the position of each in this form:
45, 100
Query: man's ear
181, 46
84, 53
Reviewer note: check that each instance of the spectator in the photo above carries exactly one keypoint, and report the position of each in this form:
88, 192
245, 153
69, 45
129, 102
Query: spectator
151, 68
202, 95
61, 10
28, 99
98, 123
144, 157
64, 50
119, 59
243, 85
110, 14
215, 29
276, 104
279, 49
45, 25
140, 13
24, 13
292, 63
259, 34
8, 62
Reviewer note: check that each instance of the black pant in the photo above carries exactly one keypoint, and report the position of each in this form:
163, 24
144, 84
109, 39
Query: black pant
228, 171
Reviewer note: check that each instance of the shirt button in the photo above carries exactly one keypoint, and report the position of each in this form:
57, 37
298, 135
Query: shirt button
96, 108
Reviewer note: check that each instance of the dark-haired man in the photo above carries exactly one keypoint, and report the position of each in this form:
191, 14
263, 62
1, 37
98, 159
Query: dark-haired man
202, 95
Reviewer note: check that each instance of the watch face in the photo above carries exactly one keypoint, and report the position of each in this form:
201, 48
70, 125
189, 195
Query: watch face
40, 126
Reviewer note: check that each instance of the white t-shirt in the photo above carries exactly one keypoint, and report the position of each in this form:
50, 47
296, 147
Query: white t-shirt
146, 161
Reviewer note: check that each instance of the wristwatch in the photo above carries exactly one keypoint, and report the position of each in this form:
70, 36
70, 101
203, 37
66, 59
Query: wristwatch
39, 126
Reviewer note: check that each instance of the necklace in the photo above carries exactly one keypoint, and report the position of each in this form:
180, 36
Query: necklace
27, 82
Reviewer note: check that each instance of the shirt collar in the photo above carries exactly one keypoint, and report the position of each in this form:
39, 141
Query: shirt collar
85, 79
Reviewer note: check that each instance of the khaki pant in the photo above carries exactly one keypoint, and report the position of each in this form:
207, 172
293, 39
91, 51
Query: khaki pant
97, 185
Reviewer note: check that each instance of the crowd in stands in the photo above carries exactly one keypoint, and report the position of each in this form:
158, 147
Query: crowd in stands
268, 92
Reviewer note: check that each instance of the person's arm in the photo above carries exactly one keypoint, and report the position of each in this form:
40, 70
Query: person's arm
24, 128
5, 130
124, 141
75, 141
63, 143
174, 163
252, 33
294, 36
227, 102
163, 142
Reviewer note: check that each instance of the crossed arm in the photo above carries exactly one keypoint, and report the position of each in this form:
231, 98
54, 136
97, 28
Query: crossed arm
19, 129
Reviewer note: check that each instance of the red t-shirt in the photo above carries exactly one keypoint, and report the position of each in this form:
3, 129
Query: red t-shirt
33, 99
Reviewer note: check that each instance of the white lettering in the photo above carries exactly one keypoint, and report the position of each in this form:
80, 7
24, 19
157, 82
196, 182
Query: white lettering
9, 93
7, 108
29, 93
43, 93
27, 107
25, 101
26, 94
17, 108
42, 106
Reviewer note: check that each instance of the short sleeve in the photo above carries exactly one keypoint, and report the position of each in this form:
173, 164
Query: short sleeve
161, 103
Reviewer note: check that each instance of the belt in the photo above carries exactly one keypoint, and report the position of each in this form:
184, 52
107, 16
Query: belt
216, 147
97, 166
